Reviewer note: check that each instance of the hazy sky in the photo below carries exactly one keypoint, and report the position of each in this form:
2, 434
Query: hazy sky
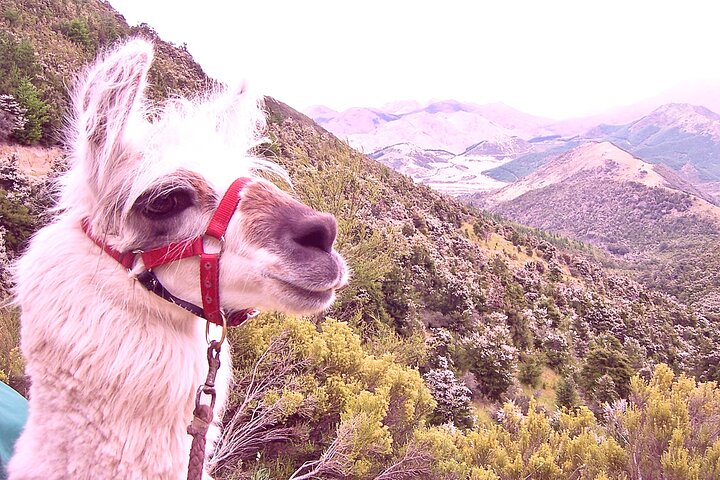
545, 57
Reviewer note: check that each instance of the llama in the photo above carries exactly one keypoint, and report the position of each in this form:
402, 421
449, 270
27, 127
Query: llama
114, 367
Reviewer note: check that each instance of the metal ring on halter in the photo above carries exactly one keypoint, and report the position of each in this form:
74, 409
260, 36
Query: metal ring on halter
224, 329
220, 241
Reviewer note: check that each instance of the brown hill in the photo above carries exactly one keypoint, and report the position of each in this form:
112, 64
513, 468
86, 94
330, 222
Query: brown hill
664, 227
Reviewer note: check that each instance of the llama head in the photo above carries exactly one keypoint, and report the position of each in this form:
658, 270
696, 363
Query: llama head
145, 183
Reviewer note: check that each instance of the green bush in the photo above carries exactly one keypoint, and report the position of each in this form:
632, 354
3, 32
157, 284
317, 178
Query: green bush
530, 369
36, 114
566, 393
606, 374
17, 62
78, 32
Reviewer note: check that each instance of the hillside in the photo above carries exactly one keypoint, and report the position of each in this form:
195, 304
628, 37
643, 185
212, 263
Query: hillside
659, 223
44, 44
601, 157
438, 244
451, 313
681, 136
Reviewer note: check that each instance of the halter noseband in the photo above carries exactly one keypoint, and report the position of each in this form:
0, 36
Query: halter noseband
209, 262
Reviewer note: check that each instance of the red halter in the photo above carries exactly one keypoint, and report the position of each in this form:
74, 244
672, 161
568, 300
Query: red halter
209, 262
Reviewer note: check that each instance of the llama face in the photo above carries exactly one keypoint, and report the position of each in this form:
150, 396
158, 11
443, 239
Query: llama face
277, 253
147, 184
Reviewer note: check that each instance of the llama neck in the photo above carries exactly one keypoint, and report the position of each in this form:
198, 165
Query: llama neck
103, 352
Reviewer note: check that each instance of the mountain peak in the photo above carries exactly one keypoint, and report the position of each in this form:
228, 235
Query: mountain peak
502, 146
682, 116
679, 109
591, 158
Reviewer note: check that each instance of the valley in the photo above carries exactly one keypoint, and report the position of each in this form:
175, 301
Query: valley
644, 191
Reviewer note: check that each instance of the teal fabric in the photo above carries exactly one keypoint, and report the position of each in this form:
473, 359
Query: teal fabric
13, 415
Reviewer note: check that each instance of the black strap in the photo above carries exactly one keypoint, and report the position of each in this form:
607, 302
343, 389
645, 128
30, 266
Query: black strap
148, 280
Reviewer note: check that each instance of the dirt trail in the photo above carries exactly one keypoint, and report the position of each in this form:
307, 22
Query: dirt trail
34, 161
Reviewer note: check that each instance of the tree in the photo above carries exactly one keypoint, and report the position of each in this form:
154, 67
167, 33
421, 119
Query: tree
17, 220
77, 31
606, 370
12, 117
566, 394
452, 396
36, 113
531, 369
17, 61
489, 354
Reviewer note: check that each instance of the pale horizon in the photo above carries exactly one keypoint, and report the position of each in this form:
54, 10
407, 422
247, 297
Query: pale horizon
556, 59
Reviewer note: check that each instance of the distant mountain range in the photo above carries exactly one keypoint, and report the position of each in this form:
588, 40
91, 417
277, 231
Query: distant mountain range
494, 144
447, 125
684, 137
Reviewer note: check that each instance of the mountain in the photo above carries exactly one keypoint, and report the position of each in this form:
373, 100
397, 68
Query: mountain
44, 44
604, 159
441, 125
323, 114
454, 174
662, 225
681, 136
411, 160
695, 92
442, 170
545, 148
499, 148
684, 137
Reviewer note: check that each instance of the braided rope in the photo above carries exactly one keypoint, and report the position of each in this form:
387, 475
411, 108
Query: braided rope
203, 414
202, 417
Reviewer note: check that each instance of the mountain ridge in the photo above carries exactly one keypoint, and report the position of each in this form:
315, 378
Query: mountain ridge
681, 136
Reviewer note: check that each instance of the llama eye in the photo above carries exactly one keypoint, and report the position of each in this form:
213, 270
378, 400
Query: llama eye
167, 205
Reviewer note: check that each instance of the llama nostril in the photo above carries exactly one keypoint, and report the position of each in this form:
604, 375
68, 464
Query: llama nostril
317, 231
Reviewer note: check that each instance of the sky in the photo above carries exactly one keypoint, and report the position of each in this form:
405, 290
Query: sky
551, 58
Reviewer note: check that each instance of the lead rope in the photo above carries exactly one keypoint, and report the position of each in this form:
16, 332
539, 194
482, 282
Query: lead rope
203, 414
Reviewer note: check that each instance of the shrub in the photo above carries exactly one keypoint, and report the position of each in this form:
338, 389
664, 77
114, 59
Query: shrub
566, 393
305, 390
606, 374
530, 370
452, 397
12, 117
490, 356
78, 32
17, 61
670, 425
36, 113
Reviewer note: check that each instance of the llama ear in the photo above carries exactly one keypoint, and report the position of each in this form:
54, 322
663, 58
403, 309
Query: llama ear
107, 97
240, 116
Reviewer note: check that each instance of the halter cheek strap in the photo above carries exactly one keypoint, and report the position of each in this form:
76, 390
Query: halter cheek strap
209, 275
